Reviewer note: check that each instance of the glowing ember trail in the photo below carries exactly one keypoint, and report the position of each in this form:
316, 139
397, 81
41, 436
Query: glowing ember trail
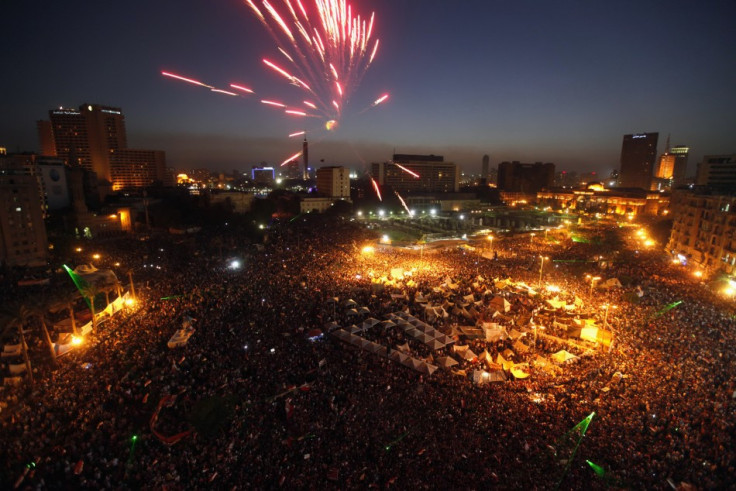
298, 133
407, 170
295, 156
375, 187
380, 99
272, 103
184, 79
403, 203
310, 104
226, 92
241, 88
295, 113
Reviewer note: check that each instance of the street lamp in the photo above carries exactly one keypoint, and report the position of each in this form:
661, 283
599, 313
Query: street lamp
490, 239
592, 279
541, 266
531, 237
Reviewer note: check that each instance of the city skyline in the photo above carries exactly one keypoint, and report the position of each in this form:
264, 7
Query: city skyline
555, 83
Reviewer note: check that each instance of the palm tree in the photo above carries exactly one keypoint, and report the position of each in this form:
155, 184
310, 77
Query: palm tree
69, 299
65, 300
106, 289
40, 313
90, 291
17, 316
118, 287
132, 287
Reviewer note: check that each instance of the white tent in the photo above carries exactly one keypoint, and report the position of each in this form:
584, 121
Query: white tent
495, 334
610, 283
351, 303
364, 310
469, 355
556, 303
351, 312
460, 348
514, 334
563, 356
520, 347
446, 362
485, 356
435, 344
500, 304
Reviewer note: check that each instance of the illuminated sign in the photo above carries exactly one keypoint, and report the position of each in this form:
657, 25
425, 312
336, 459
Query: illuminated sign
110, 111
638, 136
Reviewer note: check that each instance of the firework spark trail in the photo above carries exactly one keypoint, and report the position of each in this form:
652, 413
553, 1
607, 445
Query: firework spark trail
241, 88
298, 133
293, 157
185, 79
273, 103
331, 52
221, 91
407, 170
403, 203
380, 100
375, 187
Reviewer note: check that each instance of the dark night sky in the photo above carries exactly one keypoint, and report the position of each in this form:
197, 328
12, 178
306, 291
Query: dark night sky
557, 81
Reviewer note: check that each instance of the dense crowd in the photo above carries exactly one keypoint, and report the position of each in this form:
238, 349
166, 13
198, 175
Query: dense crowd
272, 405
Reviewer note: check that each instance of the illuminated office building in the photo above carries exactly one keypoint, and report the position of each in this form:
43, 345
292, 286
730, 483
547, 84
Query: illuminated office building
638, 154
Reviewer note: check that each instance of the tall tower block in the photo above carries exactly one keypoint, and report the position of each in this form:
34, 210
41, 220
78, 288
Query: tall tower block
305, 154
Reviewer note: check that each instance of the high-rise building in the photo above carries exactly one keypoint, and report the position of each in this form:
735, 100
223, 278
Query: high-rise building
666, 166
717, 171
638, 154
485, 170
291, 170
424, 173
704, 229
23, 238
263, 176
94, 137
334, 182
525, 178
305, 154
131, 168
679, 173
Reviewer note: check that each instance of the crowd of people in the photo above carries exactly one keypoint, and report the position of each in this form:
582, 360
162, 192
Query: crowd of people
263, 401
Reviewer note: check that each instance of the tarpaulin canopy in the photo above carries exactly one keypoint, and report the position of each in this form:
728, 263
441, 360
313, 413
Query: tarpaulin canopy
519, 373
500, 304
446, 362
563, 356
596, 335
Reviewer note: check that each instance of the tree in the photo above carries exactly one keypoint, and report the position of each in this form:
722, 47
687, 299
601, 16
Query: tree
118, 286
40, 313
90, 291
